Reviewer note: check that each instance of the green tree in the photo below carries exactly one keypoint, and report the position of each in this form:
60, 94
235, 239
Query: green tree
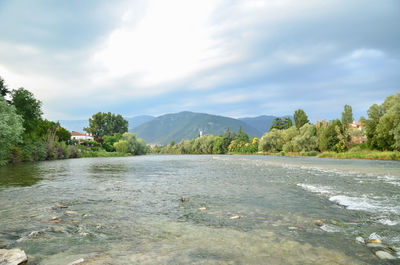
307, 139
241, 135
347, 115
106, 124
28, 108
281, 123
3, 88
121, 146
300, 118
11, 130
271, 141
135, 146
383, 124
109, 140
330, 136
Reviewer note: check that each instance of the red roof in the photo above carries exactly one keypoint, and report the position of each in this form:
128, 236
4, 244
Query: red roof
73, 133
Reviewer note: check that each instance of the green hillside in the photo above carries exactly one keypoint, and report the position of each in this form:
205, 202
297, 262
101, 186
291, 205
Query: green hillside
186, 125
261, 123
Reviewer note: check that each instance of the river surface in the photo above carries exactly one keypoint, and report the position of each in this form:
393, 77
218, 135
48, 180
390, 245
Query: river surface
237, 210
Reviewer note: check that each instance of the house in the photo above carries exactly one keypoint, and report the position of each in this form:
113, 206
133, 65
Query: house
356, 125
81, 136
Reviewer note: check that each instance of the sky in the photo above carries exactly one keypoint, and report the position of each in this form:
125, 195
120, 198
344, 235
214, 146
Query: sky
231, 58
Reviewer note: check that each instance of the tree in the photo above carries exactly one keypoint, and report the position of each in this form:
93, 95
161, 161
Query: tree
300, 118
3, 88
242, 136
121, 146
307, 140
383, 124
28, 108
330, 137
271, 141
135, 146
106, 124
11, 130
281, 123
347, 115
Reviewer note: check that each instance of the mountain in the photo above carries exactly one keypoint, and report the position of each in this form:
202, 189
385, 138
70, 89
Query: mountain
262, 123
138, 120
186, 125
74, 125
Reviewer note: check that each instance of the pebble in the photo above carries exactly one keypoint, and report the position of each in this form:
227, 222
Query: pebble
292, 228
378, 241
318, 222
13, 256
360, 240
61, 206
384, 255
202, 208
54, 221
183, 199
69, 212
235, 217
81, 260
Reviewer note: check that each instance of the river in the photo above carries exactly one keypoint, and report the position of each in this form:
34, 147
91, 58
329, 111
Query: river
236, 210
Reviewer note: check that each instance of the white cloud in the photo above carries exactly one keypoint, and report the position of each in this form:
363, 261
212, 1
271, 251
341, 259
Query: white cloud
171, 42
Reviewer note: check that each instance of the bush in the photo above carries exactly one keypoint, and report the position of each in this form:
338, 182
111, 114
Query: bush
74, 152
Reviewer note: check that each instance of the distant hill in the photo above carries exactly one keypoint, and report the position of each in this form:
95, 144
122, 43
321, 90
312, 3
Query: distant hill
138, 120
186, 125
262, 123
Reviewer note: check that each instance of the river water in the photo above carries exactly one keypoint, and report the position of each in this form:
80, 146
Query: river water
237, 210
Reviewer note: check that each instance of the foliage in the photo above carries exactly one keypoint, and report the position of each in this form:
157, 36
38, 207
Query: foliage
347, 115
11, 130
281, 123
307, 139
271, 141
3, 88
28, 108
121, 146
300, 118
135, 146
330, 136
383, 124
109, 140
106, 124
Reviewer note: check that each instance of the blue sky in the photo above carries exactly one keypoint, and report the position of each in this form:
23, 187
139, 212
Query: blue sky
233, 58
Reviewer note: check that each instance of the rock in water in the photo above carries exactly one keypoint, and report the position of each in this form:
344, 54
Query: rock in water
76, 262
384, 255
360, 240
13, 256
318, 222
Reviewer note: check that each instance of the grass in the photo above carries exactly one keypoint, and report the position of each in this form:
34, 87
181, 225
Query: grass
103, 153
377, 155
355, 153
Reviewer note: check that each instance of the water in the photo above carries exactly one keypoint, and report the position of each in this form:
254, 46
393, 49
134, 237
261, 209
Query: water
259, 210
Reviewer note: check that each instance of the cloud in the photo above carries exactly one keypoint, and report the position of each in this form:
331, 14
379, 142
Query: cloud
240, 57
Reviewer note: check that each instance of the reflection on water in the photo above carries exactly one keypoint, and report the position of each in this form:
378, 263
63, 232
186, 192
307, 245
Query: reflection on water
19, 175
240, 210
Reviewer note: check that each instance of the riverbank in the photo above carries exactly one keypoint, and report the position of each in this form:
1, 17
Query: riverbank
372, 155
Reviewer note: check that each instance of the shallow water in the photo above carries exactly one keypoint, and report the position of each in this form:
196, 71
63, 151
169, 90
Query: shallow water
258, 210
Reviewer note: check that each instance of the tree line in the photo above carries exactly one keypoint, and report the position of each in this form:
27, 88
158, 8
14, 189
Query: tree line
380, 131
26, 136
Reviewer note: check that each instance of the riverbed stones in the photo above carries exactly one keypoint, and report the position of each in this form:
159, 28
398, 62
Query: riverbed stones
54, 221
60, 206
360, 240
202, 209
384, 255
183, 199
235, 217
13, 256
76, 262
318, 222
